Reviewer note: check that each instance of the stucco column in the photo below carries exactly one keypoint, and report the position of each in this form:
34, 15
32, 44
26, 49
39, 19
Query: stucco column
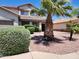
15, 22
30, 23
40, 26
19, 12
29, 13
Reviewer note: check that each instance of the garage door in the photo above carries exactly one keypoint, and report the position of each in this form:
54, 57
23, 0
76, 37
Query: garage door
4, 22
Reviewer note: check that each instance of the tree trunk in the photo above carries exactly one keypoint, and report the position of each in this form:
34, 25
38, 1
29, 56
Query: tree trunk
48, 33
71, 34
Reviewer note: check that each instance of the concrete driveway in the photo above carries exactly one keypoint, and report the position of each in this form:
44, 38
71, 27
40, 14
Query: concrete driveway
62, 45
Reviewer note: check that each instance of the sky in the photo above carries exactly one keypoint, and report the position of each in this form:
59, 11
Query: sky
36, 3
19, 2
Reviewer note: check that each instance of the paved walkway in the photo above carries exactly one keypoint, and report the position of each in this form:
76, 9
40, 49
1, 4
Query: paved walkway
43, 55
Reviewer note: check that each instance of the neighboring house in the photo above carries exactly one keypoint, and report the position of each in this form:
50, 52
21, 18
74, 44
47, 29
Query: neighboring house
61, 24
20, 15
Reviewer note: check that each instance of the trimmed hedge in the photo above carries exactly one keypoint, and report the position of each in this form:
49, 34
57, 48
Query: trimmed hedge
28, 25
32, 28
37, 29
14, 40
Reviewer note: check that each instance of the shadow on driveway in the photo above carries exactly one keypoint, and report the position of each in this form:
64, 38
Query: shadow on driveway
39, 40
67, 38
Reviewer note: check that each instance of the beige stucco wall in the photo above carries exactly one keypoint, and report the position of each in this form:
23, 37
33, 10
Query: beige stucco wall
60, 26
6, 15
76, 21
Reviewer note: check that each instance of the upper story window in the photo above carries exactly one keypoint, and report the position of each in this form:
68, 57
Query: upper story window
24, 13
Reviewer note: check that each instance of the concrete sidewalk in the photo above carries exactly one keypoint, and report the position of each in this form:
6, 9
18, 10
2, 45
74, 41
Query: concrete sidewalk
43, 55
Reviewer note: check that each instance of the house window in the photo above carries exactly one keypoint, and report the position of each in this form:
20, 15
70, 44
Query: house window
24, 13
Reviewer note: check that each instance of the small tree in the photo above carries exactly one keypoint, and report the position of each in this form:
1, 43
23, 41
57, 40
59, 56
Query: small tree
73, 27
75, 12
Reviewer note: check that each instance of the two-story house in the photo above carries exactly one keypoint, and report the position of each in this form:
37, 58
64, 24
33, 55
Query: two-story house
20, 15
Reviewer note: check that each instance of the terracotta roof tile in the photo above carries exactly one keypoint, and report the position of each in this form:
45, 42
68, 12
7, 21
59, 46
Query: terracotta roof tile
26, 4
11, 7
32, 18
9, 10
65, 20
14, 8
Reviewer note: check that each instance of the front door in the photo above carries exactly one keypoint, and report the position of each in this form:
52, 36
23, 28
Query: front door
43, 27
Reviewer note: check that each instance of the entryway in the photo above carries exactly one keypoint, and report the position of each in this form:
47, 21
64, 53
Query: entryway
43, 27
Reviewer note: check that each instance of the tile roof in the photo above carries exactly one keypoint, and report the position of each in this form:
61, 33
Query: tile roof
32, 18
9, 11
15, 8
12, 8
65, 20
26, 5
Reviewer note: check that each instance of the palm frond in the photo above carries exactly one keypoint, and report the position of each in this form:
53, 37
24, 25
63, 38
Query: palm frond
56, 7
35, 10
63, 2
68, 7
68, 15
48, 4
40, 12
54, 1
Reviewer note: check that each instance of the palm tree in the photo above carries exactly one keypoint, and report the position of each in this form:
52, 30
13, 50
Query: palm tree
51, 8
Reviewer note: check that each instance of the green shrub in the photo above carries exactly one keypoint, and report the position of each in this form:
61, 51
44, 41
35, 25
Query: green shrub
73, 26
17, 26
28, 25
31, 29
37, 29
13, 41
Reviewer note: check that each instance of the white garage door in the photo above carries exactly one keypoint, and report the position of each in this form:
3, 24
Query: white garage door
4, 22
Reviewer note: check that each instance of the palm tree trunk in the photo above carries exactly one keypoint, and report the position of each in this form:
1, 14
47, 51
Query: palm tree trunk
48, 33
71, 34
